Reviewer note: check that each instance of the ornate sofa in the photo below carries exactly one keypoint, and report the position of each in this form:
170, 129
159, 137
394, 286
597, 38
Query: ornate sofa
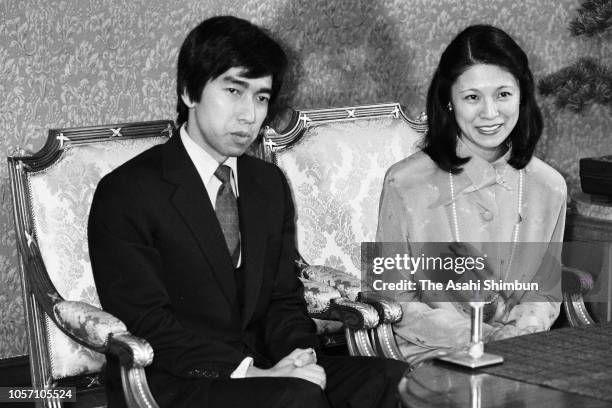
52, 189
335, 161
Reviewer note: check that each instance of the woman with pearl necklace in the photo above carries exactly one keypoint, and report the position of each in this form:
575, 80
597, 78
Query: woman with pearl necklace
476, 184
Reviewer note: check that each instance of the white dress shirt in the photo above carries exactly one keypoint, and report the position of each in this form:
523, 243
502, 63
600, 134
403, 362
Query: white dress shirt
206, 165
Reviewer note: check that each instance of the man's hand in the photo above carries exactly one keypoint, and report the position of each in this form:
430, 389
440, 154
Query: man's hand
299, 358
300, 363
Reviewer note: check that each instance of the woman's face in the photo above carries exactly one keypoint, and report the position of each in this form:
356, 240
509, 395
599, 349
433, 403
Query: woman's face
485, 100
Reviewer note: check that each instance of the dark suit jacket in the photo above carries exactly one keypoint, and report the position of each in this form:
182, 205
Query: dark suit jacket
161, 265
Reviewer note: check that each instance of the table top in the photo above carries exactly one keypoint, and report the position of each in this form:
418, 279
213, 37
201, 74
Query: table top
569, 367
443, 385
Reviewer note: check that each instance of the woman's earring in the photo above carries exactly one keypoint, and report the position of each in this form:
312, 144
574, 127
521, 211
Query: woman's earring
449, 107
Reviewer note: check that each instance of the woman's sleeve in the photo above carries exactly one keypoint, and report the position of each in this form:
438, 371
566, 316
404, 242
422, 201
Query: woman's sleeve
538, 310
393, 237
392, 216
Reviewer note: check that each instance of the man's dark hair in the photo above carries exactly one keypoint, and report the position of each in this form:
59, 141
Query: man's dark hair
480, 44
218, 44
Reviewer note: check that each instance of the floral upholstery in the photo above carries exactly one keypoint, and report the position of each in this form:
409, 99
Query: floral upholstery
60, 197
336, 172
345, 284
318, 296
321, 285
88, 322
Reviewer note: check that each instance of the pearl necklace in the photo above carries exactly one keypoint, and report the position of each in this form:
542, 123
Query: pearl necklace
517, 225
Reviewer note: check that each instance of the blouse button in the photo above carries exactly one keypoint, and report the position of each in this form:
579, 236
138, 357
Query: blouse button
487, 215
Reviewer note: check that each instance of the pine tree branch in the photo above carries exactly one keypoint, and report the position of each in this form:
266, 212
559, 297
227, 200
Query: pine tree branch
594, 17
583, 83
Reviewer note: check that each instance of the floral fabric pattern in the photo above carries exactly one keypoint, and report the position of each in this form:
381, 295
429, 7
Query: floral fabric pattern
336, 172
318, 296
88, 322
347, 285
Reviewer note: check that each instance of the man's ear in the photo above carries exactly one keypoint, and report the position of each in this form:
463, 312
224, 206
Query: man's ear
187, 100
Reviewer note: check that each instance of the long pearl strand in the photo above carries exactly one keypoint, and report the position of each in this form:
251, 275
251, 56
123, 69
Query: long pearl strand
517, 225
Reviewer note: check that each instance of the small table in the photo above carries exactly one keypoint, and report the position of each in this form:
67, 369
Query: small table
568, 367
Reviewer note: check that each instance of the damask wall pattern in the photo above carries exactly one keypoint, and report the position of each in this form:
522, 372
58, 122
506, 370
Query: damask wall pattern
85, 62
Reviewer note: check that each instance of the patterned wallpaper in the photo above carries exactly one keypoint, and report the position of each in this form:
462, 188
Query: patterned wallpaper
85, 62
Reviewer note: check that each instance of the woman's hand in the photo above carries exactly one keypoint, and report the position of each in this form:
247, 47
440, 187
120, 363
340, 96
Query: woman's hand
503, 332
510, 330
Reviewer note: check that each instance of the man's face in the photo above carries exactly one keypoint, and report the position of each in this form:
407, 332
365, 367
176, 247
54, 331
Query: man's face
229, 114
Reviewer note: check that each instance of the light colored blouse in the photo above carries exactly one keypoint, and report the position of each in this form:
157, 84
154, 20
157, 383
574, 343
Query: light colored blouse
416, 207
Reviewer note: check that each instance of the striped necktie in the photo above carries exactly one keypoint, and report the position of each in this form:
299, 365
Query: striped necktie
226, 207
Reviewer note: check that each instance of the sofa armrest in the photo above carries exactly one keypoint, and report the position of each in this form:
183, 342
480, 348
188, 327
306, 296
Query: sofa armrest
388, 310
318, 298
326, 303
575, 283
348, 285
354, 315
102, 332
132, 351
330, 296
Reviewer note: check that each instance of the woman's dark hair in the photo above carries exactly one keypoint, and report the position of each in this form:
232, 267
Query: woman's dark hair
218, 44
480, 44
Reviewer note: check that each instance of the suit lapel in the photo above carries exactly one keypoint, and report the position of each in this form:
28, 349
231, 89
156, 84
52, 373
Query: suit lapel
252, 230
191, 201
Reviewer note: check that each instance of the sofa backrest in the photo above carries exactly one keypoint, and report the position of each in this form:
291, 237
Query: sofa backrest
335, 161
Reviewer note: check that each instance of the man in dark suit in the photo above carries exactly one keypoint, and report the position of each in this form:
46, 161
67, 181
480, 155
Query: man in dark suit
192, 246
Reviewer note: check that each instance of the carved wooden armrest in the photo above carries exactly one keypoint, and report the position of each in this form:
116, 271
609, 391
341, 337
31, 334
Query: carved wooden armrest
354, 315
574, 284
326, 303
102, 332
388, 310
331, 294
318, 298
358, 319
132, 351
